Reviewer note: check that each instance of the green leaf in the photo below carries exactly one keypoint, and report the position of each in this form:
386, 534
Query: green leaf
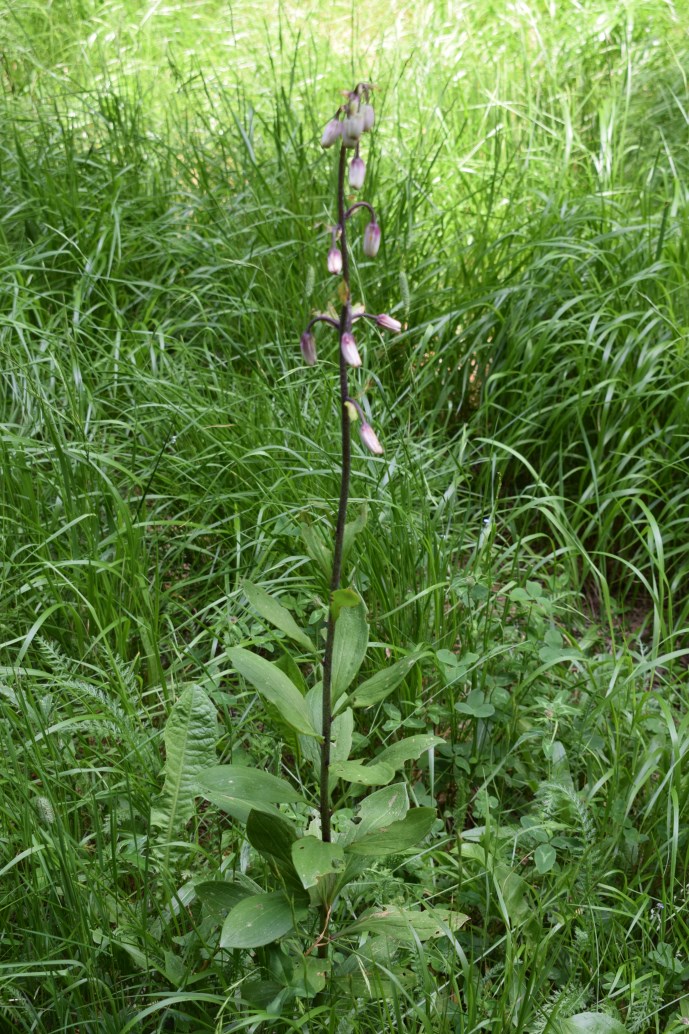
190, 736
343, 599
406, 924
544, 857
411, 748
349, 647
270, 836
352, 529
513, 891
380, 685
313, 857
397, 837
274, 612
309, 976
589, 1023
382, 808
275, 686
341, 733
218, 897
257, 920
357, 772
273, 838
555, 649
316, 547
238, 790
475, 705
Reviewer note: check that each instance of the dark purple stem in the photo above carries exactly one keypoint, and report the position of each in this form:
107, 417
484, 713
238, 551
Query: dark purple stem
345, 327
321, 319
359, 204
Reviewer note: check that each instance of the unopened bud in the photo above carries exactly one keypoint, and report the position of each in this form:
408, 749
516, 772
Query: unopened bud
357, 171
349, 350
370, 439
308, 348
351, 411
331, 133
369, 116
389, 323
335, 260
372, 239
352, 128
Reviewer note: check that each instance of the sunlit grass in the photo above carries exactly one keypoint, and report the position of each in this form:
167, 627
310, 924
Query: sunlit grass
160, 183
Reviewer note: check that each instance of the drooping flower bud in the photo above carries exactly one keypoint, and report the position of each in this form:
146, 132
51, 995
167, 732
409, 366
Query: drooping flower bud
357, 171
335, 260
351, 411
308, 348
370, 439
331, 133
349, 350
372, 239
369, 116
389, 323
352, 128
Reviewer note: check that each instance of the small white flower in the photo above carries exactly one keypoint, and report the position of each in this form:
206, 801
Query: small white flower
389, 323
370, 439
331, 133
349, 350
357, 172
372, 239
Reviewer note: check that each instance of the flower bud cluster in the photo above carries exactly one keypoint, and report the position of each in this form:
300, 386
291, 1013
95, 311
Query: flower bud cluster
352, 119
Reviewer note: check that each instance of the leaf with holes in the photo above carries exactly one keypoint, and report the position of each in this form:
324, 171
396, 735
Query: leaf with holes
313, 858
397, 837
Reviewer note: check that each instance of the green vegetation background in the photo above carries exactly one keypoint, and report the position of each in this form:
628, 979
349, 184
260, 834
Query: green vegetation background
163, 205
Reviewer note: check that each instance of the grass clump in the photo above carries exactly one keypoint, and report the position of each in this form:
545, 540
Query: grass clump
161, 183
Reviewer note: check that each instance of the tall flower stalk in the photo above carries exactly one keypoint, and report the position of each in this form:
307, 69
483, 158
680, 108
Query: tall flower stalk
346, 128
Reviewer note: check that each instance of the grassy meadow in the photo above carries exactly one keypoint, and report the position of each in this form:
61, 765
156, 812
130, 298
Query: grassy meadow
164, 205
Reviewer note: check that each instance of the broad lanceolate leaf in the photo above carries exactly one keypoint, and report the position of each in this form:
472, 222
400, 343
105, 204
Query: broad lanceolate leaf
270, 836
406, 924
358, 772
316, 548
273, 838
397, 754
238, 790
349, 647
313, 858
259, 919
352, 529
384, 682
382, 808
218, 896
274, 612
341, 735
397, 837
275, 686
190, 737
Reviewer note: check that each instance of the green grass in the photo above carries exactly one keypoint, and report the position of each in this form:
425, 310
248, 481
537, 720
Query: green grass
162, 200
